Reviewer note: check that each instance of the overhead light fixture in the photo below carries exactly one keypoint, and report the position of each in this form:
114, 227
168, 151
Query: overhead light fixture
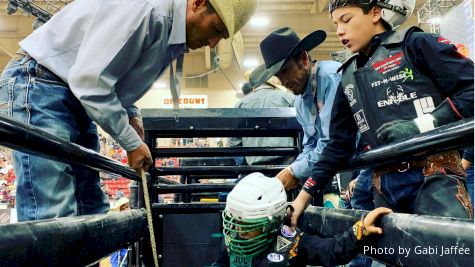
159, 85
250, 62
259, 21
435, 20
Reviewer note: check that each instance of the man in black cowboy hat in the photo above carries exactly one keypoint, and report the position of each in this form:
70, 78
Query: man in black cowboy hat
314, 83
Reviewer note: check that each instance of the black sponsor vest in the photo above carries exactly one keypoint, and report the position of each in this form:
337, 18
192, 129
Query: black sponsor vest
389, 87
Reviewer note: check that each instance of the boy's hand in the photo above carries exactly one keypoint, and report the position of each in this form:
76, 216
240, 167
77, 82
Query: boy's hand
371, 218
299, 205
396, 130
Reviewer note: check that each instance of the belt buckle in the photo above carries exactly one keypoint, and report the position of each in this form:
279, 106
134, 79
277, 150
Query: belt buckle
408, 165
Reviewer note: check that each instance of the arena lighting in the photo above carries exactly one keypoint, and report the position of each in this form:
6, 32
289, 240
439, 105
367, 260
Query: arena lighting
159, 85
259, 21
435, 20
250, 62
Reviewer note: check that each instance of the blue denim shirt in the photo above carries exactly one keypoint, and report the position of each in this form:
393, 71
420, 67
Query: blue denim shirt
313, 113
110, 53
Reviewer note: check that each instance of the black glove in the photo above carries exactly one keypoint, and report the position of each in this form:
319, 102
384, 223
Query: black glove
401, 129
396, 130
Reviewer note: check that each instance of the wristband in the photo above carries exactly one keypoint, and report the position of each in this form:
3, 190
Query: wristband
359, 230
425, 123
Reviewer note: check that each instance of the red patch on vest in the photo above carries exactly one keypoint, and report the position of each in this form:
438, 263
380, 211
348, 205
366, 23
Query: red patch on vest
389, 64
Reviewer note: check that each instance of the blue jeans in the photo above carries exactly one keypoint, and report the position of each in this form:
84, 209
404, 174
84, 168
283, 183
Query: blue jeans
400, 190
46, 188
470, 182
362, 198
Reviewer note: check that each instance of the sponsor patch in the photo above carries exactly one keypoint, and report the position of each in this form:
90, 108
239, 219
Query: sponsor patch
240, 261
286, 231
349, 94
360, 119
424, 105
402, 75
274, 257
309, 183
444, 40
396, 96
282, 244
389, 64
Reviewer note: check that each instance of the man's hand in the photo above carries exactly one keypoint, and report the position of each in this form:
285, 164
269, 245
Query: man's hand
140, 158
288, 179
299, 205
396, 130
371, 218
137, 124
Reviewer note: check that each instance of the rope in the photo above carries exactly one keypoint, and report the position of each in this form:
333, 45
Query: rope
149, 218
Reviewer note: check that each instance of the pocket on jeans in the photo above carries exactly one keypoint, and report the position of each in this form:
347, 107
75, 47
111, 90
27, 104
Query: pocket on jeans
6, 96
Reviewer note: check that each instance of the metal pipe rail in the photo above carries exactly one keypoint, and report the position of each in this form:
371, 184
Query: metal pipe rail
225, 152
451, 136
29, 139
408, 239
186, 170
69, 241
193, 188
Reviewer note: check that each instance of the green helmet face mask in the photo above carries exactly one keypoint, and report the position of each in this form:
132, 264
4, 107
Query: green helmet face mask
261, 231
255, 210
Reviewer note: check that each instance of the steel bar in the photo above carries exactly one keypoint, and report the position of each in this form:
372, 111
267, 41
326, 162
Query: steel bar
225, 152
224, 122
69, 241
192, 188
181, 208
185, 170
427, 238
452, 136
29, 139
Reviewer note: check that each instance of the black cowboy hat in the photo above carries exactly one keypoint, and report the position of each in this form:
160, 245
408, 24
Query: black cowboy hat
278, 47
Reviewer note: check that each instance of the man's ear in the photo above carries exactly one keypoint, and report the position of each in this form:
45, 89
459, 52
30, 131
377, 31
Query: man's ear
304, 59
196, 4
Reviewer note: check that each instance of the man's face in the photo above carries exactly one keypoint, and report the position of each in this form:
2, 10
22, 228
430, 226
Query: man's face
294, 76
354, 28
203, 27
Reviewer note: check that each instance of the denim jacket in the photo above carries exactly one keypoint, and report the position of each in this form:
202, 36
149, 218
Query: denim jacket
313, 113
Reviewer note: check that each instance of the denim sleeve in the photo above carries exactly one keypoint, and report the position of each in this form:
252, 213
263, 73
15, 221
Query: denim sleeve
315, 145
133, 111
98, 68
340, 144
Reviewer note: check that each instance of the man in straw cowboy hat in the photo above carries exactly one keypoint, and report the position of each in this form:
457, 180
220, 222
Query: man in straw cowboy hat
270, 94
314, 84
91, 62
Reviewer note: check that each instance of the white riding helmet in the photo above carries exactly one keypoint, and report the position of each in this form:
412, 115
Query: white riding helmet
394, 12
259, 203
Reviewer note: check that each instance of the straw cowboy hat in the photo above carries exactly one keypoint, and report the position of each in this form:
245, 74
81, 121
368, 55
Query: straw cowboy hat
235, 14
122, 201
274, 81
278, 47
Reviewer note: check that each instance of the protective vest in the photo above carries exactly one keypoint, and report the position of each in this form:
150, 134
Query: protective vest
277, 256
388, 87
